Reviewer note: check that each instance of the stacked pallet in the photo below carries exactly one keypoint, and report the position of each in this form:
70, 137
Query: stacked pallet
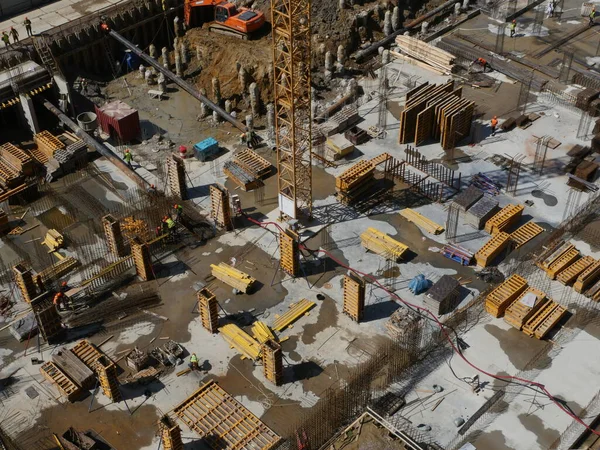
253, 163
9, 176
544, 319
492, 248
351, 184
75, 369
571, 272
382, 244
524, 306
558, 258
47, 143
435, 112
504, 218
421, 221
437, 58
240, 176
233, 277
594, 292
504, 294
525, 233
17, 158
587, 277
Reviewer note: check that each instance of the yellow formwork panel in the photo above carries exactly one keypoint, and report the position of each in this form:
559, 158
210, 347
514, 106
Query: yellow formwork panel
233, 277
261, 332
241, 341
295, 312
420, 220
382, 244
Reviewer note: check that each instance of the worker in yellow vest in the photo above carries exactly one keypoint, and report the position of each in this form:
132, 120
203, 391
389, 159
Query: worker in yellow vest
194, 361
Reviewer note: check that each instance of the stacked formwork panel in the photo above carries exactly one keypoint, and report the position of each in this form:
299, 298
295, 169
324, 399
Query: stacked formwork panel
47, 317
354, 182
492, 248
290, 252
209, 310
558, 258
17, 158
520, 310
504, 294
170, 434
272, 359
141, 259
354, 296
570, 273
220, 206
525, 233
176, 177
504, 218
587, 277
107, 377
114, 236
24, 280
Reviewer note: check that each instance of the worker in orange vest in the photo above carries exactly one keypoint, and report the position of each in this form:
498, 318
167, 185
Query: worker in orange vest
493, 125
483, 63
59, 301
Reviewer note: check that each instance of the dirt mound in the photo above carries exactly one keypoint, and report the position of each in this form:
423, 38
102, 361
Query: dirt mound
220, 56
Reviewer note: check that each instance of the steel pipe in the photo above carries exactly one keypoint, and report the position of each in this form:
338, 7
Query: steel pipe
188, 87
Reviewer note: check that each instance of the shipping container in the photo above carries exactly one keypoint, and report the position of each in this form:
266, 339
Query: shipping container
119, 120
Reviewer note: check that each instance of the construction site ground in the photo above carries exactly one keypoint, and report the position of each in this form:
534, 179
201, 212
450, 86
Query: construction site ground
324, 346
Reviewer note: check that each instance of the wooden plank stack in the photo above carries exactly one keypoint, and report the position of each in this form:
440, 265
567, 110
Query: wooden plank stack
65, 385
74, 368
296, 311
17, 158
382, 244
441, 61
355, 181
241, 176
492, 248
504, 218
542, 321
525, 233
241, 341
435, 112
558, 258
519, 312
47, 143
571, 272
587, 277
253, 163
421, 221
504, 294
233, 277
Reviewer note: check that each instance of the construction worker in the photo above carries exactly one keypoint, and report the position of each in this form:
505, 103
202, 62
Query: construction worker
165, 225
168, 225
128, 157
5, 39
152, 190
15, 34
59, 301
27, 24
592, 16
513, 28
64, 287
194, 361
550, 9
493, 125
483, 63
178, 210
105, 27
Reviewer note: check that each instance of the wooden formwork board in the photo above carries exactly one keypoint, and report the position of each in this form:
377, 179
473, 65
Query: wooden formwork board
545, 318
420, 220
587, 277
9, 177
504, 218
66, 386
58, 269
416, 90
220, 206
272, 359
594, 292
553, 253
108, 380
525, 233
565, 260
503, 295
209, 310
491, 249
354, 297
424, 125
518, 312
571, 272
456, 124
233, 277
296, 311
354, 175
253, 163
17, 158
47, 143
289, 252
261, 332
382, 244
241, 341
437, 117
223, 422
88, 353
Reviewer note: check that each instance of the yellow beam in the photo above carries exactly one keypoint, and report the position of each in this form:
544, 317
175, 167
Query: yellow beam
295, 312
241, 341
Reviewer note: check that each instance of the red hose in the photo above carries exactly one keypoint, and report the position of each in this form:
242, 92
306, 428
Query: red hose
442, 327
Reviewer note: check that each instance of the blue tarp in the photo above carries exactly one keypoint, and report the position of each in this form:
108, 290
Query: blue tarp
418, 284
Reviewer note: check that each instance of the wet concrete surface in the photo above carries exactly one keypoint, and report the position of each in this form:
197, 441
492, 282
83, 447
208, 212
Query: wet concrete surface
519, 348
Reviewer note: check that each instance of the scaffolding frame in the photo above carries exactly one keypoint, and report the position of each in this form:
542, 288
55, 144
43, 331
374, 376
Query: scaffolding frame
452, 222
540, 154
514, 171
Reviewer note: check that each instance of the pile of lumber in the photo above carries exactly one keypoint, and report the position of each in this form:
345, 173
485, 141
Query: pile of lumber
570, 273
437, 59
504, 294
253, 163
261, 332
233, 277
435, 112
421, 221
558, 258
382, 244
241, 341
48, 143
352, 184
17, 158
504, 218
492, 248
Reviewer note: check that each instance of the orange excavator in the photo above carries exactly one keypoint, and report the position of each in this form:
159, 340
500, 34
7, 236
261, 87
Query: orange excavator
223, 17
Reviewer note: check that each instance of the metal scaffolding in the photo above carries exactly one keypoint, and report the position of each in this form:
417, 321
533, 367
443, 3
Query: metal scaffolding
513, 174
452, 222
383, 96
291, 71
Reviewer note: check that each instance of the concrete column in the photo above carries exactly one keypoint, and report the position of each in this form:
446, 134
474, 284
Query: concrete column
341, 57
465, 4
271, 118
396, 19
243, 78
176, 26
385, 57
352, 87
152, 51
198, 53
250, 122
329, 61
424, 27
162, 84
148, 77
216, 90
204, 110
142, 70
184, 54
387, 23
178, 70
165, 57
29, 113
228, 106
255, 99
216, 117
457, 8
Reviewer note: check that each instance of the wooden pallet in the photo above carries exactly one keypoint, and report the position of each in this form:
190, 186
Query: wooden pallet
587, 277
518, 312
47, 143
75, 369
492, 248
233, 277
571, 272
17, 158
382, 244
222, 422
39, 155
296, 311
550, 255
504, 218
9, 177
546, 317
241, 341
88, 353
525, 233
253, 163
565, 260
66, 386
504, 294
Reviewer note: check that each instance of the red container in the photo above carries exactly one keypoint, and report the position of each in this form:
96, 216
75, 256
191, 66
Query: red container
119, 120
